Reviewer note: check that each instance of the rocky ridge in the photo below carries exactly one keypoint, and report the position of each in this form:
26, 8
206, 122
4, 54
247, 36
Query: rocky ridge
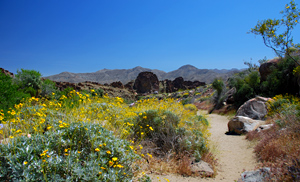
187, 72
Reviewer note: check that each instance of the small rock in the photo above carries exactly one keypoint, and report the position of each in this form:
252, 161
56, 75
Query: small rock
202, 168
255, 176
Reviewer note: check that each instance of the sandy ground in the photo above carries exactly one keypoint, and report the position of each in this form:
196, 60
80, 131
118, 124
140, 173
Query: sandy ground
233, 152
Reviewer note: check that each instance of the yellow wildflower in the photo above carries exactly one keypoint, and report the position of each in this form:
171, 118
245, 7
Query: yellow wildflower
114, 158
97, 149
108, 152
120, 166
25, 162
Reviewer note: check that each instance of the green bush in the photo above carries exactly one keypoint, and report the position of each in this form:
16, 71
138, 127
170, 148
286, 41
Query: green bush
69, 152
9, 93
218, 85
191, 107
219, 97
281, 80
47, 88
29, 81
162, 128
247, 84
99, 92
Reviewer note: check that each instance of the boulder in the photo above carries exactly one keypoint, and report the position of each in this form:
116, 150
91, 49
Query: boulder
129, 85
202, 168
255, 108
168, 86
178, 83
117, 84
146, 82
266, 68
259, 175
241, 125
230, 96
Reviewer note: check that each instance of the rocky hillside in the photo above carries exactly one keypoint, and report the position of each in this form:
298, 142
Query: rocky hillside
187, 72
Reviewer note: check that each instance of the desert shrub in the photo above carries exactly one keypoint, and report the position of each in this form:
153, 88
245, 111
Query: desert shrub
281, 80
99, 92
9, 93
185, 95
159, 128
219, 96
191, 107
163, 128
247, 84
218, 85
287, 111
278, 147
47, 88
188, 100
29, 81
74, 152
41, 116
72, 99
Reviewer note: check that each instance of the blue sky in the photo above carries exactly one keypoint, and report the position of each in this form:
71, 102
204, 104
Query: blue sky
52, 36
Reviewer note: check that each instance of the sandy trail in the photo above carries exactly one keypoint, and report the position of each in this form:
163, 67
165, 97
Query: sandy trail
233, 152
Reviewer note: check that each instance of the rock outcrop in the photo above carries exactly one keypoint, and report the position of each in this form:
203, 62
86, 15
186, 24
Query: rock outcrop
179, 83
242, 125
230, 96
6, 72
255, 108
146, 82
117, 84
266, 68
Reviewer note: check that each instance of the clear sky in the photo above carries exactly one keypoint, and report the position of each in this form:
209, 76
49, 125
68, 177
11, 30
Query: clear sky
52, 36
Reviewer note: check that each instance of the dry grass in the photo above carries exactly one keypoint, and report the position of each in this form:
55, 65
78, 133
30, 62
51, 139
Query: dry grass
179, 164
279, 149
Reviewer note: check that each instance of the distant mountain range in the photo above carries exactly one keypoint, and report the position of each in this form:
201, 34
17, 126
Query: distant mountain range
188, 72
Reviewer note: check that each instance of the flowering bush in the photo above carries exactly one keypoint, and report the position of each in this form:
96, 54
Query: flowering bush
77, 151
70, 123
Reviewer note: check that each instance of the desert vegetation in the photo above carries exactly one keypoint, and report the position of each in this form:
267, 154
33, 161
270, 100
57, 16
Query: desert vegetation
51, 135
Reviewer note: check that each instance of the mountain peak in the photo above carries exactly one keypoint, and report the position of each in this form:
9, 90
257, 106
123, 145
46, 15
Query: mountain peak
188, 66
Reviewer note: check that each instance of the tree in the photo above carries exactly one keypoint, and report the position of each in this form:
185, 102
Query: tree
277, 33
9, 93
29, 81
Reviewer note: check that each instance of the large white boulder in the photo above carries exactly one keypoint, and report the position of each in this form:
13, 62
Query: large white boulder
241, 125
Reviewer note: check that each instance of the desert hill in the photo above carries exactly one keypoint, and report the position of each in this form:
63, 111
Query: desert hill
188, 72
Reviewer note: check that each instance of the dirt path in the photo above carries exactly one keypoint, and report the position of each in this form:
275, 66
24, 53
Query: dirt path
233, 152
